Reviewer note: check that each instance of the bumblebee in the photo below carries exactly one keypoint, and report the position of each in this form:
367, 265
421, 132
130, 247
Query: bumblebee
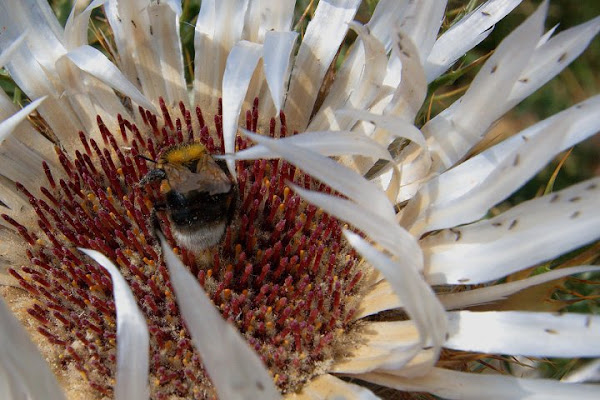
199, 195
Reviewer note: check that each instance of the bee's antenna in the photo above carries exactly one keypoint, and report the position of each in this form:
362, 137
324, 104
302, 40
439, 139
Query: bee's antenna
146, 158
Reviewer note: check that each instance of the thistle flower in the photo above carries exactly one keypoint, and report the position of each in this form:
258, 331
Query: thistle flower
321, 279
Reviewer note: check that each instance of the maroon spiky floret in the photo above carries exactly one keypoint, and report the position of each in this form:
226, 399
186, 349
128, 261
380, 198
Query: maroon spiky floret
282, 273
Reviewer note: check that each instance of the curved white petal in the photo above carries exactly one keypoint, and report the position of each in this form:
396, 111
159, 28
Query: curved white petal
8, 52
587, 373
551, 57
381, 297
319, 46
532, 232
23, 372
164, 20
524, 333
278, 48
233, 367
488, 294
327, 143
459, 127
357, 83
133, 341
384, 345
240, 66
384, 231
76, 28
467, 179
419, 300
333, 174
422, 22
456, 385
9, 124
465, 34
93, 62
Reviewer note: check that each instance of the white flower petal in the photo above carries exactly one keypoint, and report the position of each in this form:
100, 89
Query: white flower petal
138, 49
472, 386
422, 22
328, 387
510, 172
133, 343
327, 143
534, 231
241, 64
551, 57
93, 62
333, 174
381, 297
319, 46
234, 368
357, 83
6, 54
465, 34
393, 126
459, 127
384, 345
419, 300
23, 372
524, 333
76, 28
493, 293
278, 48
384, 231
587, 373
218, 28
164, 20
466, 179
9, 124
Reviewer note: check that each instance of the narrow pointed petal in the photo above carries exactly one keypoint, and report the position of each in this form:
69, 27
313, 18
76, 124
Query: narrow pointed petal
534, 231
7, 53
465, 180
422, 22
95, 63
551, 57
133, 343
9, 124
23, 372
241, 64
278, 49
386, 346
465, 34
524, 333
218, 28
327, 143
319, 46
453, 132
76, 28
488, 294
333, 174
456, 385
357, 83
381, 297
234, 368
384, 231
587, 373
507, 175
419, 300
164, 20
326, 387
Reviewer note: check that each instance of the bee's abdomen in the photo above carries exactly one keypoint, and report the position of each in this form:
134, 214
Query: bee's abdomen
196, 209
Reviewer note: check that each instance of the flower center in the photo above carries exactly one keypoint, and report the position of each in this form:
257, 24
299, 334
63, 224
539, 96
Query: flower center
281, 272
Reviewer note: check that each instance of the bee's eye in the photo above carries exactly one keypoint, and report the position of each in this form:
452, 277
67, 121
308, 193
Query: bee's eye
153, 175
